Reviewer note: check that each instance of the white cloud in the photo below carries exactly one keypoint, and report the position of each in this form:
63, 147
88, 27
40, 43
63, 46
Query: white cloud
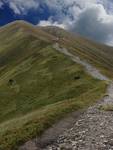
22, 6
67, 8
95, 23
51, 23
89, 18
1, 4
15, 8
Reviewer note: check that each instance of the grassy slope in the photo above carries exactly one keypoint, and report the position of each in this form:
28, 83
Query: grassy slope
97, 54
44, 87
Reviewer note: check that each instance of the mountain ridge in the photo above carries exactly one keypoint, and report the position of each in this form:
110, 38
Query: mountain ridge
39, 85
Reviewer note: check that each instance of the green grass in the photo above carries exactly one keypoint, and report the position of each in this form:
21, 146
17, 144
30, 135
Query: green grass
44, 87
41, 81
97, 54
19, 130
107, 107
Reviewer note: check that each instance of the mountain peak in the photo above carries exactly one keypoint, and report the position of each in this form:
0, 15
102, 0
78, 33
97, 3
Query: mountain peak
17, 24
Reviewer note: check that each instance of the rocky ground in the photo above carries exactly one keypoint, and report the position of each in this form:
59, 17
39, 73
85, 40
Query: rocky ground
93, 130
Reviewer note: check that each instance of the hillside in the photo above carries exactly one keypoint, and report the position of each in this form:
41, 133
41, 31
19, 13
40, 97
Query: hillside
97, 54
39, 85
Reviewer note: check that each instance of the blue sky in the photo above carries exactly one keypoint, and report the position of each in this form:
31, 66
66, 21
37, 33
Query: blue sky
90, 18
8, 15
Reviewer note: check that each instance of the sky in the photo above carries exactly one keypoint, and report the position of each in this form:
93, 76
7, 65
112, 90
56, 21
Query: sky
90, 18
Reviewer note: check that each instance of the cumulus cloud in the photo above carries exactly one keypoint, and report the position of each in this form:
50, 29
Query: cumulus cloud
95, 23
67, 9
51, 23
108, 5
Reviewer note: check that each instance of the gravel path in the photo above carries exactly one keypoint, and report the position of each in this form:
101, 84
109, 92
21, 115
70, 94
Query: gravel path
89, 68
93, 130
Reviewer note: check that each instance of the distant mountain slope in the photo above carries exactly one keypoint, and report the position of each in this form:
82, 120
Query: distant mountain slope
22, 32
18, 38
38, 85
97, 54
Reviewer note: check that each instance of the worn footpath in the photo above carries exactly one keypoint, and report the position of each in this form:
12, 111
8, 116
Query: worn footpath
92, 130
